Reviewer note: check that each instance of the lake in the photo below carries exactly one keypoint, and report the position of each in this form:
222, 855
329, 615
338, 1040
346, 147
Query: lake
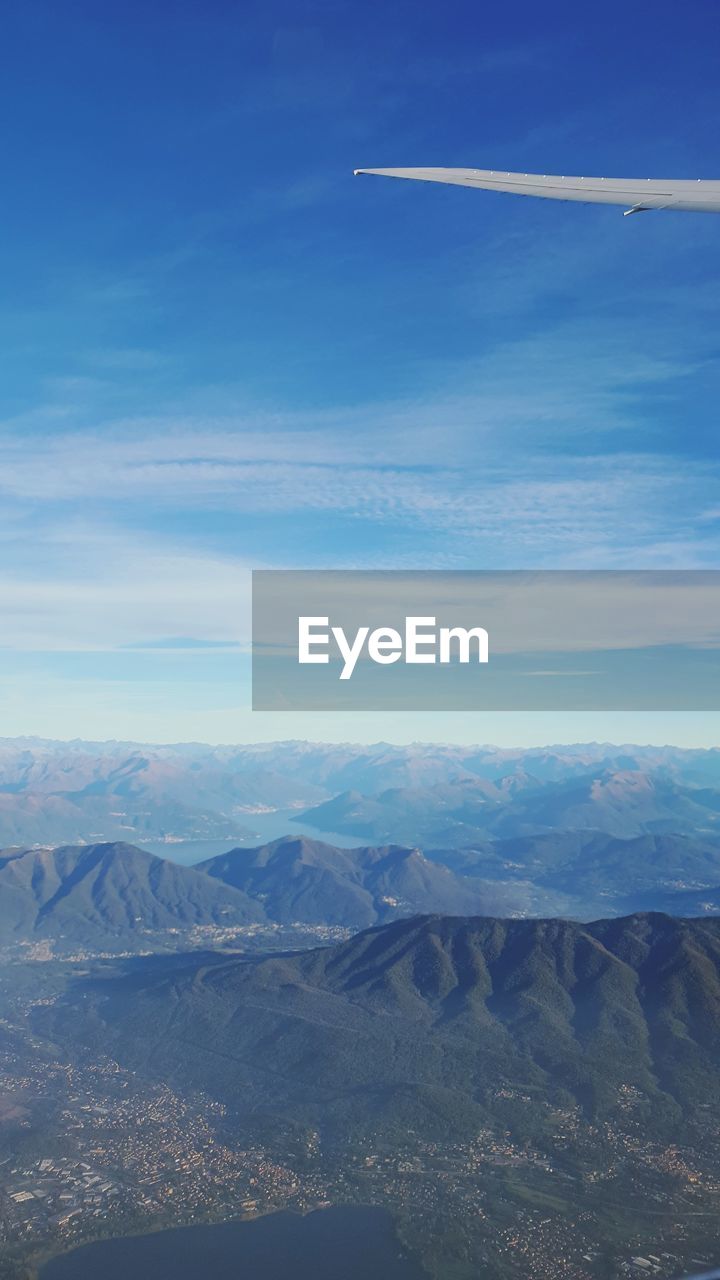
266, 826
348, 1242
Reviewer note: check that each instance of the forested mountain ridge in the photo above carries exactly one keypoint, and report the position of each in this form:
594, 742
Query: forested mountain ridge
427, 1021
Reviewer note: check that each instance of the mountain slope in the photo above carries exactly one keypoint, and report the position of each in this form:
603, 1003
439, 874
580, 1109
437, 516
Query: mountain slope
108, 895
622, 803
426, 1022
297, 879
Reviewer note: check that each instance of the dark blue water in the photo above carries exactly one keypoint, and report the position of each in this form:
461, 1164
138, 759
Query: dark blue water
347, 1243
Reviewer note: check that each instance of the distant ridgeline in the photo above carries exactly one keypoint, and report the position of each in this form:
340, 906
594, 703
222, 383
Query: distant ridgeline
54, 793
115, 898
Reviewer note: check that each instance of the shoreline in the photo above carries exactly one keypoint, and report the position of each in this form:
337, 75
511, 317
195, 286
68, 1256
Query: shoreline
37, 1262
40, 1259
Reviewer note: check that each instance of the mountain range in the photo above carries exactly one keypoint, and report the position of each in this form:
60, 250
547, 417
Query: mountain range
422, 794
623, 803
114, 897
428, 1022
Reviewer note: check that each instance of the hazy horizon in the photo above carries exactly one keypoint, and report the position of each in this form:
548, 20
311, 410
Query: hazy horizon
481, 744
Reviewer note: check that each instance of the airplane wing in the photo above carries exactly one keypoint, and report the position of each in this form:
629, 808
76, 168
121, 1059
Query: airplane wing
636, 194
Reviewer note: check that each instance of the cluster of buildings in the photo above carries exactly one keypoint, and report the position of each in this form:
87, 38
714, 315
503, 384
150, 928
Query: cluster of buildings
122, 1155
99, 1151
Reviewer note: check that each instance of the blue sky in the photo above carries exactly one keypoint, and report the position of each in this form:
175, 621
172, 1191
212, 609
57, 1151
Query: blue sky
223, 351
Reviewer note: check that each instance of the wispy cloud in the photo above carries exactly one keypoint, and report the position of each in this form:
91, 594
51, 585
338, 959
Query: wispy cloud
449, 481
117, 577
287, 468
84, 589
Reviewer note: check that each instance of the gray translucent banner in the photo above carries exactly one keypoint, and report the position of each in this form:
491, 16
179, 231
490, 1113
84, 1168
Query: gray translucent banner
506, 641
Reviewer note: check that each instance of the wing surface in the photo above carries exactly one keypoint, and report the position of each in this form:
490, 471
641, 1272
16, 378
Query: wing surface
636, 194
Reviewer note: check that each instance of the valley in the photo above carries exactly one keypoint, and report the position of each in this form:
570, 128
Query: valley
506, 1037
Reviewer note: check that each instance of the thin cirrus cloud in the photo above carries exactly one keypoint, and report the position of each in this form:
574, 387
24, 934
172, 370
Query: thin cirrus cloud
111, 531
549, 451
529, 414
87, 589
614, 509
92, 584
286, 473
